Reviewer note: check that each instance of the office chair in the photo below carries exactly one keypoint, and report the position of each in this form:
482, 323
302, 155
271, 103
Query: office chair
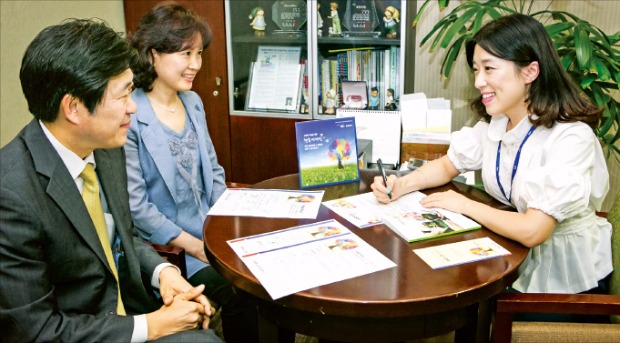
505, 330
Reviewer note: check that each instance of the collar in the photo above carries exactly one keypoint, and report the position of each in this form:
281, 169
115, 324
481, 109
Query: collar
497, 129
73, 162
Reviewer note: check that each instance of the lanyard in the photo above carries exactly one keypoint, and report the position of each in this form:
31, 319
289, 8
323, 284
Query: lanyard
515, 165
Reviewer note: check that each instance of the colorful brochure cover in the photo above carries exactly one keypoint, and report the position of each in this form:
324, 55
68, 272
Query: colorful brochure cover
327, 152
413, 222
453, 254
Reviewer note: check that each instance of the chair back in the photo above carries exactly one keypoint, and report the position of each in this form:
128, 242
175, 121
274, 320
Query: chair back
504, 330
614, 282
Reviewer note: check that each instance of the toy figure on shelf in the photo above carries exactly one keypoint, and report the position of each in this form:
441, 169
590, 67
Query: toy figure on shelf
390, 104
304, 102
330, 103
258, 21
335, 30
319, 20
390, 22
374, 99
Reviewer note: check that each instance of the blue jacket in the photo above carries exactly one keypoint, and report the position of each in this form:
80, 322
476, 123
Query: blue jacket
151, 169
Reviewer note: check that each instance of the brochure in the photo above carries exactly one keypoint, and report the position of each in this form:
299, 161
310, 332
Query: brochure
276, 79
414, 222
405, 216
453, 254
269, 203
302, 257
327, 152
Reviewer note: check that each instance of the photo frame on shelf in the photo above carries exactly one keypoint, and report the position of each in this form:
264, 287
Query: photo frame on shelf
354, 95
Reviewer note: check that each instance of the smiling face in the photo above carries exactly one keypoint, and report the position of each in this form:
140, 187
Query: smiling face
107, 126
177, 70
504, 86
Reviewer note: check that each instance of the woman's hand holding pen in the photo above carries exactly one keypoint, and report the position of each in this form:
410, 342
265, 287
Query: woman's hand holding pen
381, 191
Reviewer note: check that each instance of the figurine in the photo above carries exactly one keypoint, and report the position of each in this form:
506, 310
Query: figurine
374, 98
319, 20
390, 22
304, 105
390, 104
258, 21
335, 30
330, 103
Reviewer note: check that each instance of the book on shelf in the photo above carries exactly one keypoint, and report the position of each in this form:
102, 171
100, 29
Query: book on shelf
377, 67
326, 152
414, 222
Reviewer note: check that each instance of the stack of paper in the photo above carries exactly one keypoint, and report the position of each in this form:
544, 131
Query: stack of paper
425, 120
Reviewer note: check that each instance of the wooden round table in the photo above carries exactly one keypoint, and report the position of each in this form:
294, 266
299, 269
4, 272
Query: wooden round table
408, 301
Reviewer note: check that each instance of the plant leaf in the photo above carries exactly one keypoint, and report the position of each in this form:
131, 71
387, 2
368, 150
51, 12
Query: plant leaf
583, 47
556, 28
457, 26
443, 4
452, 55
419, 14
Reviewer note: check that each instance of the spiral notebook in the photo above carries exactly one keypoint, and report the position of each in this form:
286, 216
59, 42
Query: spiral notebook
382, 127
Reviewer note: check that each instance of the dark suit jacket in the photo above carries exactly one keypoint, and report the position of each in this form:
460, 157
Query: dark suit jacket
55, 284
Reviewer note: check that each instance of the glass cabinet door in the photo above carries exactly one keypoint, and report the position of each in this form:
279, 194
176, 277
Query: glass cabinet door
268, 50
358, 55
306, 59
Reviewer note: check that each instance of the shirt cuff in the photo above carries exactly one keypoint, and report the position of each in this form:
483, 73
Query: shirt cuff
158, 269
140, 329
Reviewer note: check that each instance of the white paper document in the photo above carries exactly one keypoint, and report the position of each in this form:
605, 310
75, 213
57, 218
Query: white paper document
275, 86
302, 257
362, 210
452, 254
382, 127
270, 203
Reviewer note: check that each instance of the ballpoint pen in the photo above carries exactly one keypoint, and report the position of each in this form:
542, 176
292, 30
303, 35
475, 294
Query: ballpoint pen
389, 192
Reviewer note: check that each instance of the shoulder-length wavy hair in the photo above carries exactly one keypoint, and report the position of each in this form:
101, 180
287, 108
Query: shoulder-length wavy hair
553, 96
167, 28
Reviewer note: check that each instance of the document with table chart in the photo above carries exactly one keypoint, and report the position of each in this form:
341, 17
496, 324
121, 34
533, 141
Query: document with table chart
306, 256
269, 203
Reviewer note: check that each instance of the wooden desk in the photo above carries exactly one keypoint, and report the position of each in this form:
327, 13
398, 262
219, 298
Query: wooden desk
405, 302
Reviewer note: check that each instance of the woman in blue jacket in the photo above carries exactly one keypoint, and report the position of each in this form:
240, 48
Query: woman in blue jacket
174, 176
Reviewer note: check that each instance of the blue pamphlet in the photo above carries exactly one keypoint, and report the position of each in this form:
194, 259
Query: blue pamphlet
327, 152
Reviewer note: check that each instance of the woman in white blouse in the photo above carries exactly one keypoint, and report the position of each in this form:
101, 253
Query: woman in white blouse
537, 152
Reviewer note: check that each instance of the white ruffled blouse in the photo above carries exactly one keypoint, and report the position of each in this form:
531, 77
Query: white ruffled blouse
562, 172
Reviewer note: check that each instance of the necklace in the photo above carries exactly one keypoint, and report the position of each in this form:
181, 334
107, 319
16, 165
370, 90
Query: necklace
171, 110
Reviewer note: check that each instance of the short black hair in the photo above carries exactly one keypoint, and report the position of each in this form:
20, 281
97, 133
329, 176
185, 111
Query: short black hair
167, 28
77, 57
553, 96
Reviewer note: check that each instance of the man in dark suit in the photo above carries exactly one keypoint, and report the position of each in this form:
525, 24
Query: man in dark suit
59, 281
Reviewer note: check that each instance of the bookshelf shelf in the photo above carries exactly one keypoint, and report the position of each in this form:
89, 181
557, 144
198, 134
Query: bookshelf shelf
326, 59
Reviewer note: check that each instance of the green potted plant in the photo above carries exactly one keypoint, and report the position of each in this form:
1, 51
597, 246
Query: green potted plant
590, 56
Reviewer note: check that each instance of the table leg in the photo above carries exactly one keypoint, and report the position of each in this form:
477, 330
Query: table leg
269, 332
467, 333
485, 310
